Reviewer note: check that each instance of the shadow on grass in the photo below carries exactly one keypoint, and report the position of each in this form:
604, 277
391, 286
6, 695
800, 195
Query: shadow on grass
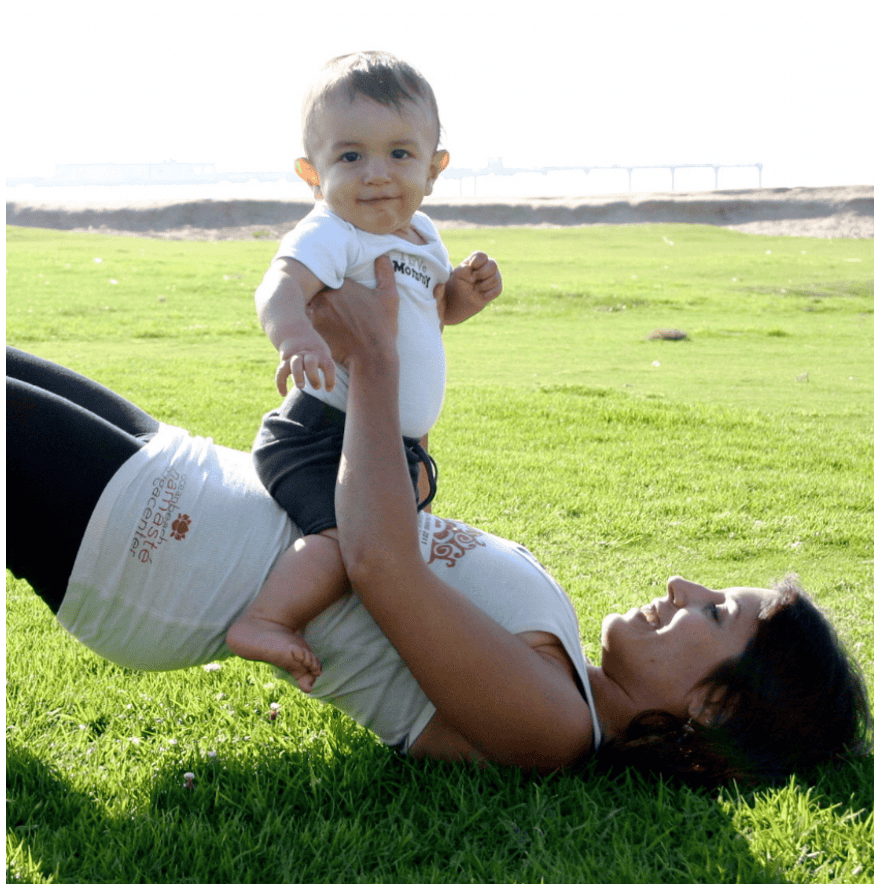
323, 814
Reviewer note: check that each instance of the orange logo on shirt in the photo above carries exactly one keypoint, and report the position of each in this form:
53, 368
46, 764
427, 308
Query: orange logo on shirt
452, 540
180, 527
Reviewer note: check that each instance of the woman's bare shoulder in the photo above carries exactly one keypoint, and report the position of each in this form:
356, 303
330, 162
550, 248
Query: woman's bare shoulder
442, 742
550, 648
439, 740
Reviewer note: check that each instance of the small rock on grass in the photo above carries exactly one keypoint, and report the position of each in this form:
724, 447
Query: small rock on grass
667, 334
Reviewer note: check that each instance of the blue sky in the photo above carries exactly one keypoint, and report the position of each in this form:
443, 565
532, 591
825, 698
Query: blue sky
785, 84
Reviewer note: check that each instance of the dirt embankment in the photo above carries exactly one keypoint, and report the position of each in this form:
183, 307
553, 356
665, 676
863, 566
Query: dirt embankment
846, 212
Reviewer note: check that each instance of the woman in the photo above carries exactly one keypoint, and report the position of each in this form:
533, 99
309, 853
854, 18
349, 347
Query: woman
456, 644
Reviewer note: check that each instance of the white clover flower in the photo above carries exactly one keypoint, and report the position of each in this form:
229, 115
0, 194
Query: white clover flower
212, 667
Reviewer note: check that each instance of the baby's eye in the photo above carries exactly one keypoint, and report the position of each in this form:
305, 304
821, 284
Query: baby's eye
715, 613
399, 153
350, 156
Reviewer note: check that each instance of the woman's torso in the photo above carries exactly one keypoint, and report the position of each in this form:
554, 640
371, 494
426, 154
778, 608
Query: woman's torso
180, 542
183, 538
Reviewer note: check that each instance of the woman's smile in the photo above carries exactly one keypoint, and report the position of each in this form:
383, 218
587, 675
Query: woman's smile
665, 648
651, 613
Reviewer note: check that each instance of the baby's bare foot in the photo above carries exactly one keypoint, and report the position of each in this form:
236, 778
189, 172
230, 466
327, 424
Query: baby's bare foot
279, 645
306, 667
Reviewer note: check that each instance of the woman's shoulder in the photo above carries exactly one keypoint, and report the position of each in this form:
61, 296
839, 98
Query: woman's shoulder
549, 647
442, 742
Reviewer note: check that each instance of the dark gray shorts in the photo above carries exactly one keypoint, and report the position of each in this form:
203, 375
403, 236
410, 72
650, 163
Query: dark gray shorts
297, 456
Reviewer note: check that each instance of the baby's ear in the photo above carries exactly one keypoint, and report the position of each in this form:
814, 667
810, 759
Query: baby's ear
439, 162
306, 170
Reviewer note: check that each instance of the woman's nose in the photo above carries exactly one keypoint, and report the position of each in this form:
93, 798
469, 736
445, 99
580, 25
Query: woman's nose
683, 591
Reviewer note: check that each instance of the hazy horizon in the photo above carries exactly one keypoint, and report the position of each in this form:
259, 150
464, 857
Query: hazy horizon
632, 83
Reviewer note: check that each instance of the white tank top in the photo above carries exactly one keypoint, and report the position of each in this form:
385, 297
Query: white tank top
362, 673
183, 537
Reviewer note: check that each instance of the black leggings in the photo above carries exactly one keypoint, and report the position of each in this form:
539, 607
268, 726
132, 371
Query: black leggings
66, 436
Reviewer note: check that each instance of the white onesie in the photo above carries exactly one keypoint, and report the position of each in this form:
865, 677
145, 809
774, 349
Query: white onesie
334, 250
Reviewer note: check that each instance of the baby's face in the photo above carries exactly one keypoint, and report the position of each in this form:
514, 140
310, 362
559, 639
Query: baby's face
374, 164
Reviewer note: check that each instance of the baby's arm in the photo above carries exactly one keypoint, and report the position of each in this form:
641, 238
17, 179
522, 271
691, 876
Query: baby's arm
471, 286
281, 301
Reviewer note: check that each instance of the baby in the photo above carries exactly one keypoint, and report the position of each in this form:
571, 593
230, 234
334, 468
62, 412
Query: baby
371, 133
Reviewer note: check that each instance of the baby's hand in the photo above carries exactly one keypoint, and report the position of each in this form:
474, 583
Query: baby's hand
471, 286
305, 357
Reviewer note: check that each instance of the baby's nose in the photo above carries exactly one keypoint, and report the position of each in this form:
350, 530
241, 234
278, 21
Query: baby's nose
376, 170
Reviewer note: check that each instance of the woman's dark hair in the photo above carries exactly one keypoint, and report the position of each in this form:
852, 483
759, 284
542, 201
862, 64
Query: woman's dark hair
791, 702
378, 76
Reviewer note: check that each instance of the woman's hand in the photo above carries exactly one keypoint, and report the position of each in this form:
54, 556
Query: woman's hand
358, 322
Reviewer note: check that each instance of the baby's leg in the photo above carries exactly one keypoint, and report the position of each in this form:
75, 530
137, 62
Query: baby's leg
307, 579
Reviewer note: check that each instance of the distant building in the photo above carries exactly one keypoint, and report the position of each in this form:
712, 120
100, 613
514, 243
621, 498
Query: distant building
168, 172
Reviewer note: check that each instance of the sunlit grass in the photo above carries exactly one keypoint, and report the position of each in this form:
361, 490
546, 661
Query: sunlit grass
733, 456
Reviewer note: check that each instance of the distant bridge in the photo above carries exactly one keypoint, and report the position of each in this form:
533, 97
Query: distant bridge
497, 167
171, 172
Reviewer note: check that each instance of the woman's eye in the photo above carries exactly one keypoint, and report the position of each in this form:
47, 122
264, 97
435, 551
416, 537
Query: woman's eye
714, 612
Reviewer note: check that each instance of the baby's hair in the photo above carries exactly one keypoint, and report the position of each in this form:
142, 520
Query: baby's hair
378, 76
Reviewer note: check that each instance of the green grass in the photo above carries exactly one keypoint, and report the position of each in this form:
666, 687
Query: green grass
732, 457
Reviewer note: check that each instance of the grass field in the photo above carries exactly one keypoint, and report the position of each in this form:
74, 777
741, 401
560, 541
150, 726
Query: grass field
733, 456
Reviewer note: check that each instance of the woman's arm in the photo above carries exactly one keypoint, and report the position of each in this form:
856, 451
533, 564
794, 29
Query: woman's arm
504, 698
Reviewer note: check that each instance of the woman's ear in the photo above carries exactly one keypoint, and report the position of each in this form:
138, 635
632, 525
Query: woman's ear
306, 170
439, 162
706, 706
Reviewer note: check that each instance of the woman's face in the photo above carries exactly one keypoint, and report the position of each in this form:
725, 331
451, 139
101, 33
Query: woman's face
657, 654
